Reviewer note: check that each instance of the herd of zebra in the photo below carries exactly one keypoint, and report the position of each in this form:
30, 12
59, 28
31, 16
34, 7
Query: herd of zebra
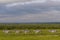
27, 31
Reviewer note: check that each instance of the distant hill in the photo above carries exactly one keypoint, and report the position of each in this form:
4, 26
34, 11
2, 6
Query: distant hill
35, 23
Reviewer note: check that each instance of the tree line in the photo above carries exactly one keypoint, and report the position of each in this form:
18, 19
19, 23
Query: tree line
29, 26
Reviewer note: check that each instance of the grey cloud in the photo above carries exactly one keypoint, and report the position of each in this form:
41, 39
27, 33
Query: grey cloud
36, 12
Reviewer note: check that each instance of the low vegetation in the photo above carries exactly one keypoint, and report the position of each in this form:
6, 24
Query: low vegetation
16, 31
10, 26
30, 37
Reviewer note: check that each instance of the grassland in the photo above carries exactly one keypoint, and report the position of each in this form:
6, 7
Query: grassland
44, 33
30, 37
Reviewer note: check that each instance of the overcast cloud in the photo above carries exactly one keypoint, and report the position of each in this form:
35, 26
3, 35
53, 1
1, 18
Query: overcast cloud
29, 10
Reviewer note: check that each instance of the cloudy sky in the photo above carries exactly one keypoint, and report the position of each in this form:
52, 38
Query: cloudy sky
29, 10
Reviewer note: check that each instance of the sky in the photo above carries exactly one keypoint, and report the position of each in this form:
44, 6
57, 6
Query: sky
29, 11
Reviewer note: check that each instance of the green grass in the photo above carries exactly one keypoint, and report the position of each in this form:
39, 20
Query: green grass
44, 35
31, 37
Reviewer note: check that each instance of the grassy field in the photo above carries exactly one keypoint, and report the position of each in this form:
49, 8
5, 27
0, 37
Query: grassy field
43, 35
47, 31
30, 37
